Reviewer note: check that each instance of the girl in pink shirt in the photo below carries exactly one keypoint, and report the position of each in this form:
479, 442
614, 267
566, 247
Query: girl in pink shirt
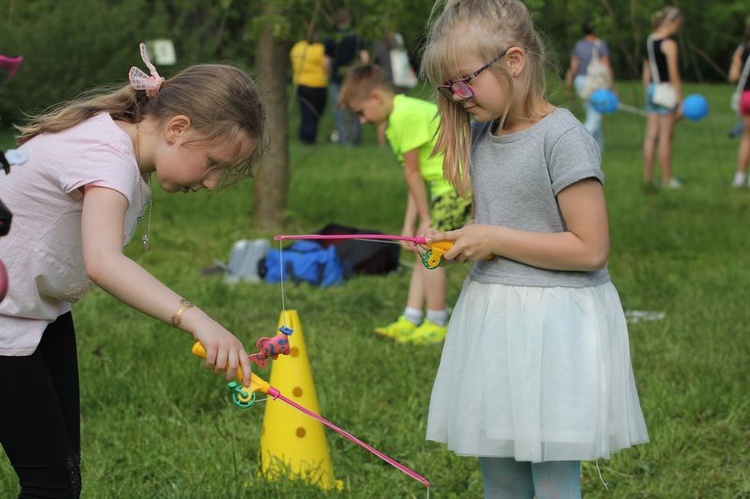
75, 204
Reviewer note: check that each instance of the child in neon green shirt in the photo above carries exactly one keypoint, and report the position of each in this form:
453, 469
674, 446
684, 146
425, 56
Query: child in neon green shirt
431, 202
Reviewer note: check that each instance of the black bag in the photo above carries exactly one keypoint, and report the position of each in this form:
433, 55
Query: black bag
362, 257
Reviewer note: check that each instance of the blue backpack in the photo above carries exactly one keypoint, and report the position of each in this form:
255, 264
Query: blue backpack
304, 261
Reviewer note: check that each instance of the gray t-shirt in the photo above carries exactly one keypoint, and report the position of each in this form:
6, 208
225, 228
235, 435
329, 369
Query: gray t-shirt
584, 50
516, 179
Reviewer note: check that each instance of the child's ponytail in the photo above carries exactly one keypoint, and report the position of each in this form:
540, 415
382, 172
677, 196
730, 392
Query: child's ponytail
122, 103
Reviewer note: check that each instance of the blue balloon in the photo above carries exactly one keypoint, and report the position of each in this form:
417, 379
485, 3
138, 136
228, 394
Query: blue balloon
604, 101
695, 107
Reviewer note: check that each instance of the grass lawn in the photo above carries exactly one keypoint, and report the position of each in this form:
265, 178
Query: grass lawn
156, 424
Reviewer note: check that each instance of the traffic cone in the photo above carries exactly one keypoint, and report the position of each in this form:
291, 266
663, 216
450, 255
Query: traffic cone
292, 443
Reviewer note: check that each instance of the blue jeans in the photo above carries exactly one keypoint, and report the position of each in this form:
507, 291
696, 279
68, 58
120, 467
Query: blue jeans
593, 121
346, 122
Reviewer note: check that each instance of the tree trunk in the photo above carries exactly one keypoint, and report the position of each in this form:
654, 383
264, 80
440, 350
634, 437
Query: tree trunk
271, 182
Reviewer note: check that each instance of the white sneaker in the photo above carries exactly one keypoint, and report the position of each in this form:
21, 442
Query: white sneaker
739, 179
674, 183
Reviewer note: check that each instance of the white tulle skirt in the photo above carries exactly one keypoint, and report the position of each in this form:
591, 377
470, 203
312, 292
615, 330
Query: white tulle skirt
536, 374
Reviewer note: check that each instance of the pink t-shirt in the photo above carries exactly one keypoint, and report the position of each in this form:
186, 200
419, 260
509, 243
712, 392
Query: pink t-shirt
43, 251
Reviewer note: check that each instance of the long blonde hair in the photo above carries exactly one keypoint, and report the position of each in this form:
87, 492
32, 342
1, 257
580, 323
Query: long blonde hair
485, 28
665, 15
220, 100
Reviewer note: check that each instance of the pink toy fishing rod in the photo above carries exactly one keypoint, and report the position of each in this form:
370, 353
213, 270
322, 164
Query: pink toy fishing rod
341, 237
244, 397
432, 258
275, 394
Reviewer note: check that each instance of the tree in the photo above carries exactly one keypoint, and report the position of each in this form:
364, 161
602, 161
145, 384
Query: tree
60, 60
65, 53
281, 23
272, 177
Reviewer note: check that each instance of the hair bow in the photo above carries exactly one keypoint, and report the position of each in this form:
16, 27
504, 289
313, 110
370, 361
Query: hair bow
140, 80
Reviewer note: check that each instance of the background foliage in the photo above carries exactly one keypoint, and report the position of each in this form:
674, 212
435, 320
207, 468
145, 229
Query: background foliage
69, 47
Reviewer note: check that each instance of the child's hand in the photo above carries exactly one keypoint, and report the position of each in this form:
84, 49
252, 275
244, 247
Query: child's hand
679, 114
408, 231
470, 243
224, 352
424, 226
432, 236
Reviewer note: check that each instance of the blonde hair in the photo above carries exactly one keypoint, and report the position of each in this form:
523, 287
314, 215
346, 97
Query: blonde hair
665, 15
359, 81
485, 28
220, 100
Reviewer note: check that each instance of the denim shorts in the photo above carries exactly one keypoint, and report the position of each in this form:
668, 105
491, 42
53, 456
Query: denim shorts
655, 108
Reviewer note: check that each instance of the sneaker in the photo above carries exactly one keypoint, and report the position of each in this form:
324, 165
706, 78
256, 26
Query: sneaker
674, 183
739, 179
402, 328
736, 130
428, 332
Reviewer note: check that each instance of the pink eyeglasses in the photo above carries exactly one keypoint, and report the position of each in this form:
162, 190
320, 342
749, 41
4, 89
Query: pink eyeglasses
461, 88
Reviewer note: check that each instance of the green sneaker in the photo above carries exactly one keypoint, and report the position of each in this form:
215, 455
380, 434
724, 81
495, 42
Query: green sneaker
402, 328
428, 332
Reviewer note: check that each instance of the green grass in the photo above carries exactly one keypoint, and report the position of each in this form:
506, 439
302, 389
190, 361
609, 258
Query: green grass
156, 424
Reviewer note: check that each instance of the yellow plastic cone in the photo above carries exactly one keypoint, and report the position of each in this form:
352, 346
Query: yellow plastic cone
293, 444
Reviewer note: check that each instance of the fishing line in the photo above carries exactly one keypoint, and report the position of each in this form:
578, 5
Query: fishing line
281, 275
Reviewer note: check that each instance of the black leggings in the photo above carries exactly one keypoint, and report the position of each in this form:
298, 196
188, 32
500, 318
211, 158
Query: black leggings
40, 414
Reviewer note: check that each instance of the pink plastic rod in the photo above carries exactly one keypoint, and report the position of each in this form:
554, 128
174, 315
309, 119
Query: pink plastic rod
354, 439
384, 237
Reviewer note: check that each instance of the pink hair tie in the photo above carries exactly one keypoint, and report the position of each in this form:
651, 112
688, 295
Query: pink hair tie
140, 80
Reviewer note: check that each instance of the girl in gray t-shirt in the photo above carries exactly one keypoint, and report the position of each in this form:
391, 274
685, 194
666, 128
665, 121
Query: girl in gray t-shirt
535, 374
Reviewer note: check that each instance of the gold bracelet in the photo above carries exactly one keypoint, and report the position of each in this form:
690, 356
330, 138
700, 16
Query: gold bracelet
177, 316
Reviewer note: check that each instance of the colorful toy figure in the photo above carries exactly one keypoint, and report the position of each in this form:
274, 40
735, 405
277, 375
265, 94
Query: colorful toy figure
433, 257
272, 347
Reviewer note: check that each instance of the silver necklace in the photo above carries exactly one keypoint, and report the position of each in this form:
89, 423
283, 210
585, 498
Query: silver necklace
146, 237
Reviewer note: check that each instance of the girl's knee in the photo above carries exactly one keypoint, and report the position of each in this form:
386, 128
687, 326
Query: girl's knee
506, 477
557, 479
